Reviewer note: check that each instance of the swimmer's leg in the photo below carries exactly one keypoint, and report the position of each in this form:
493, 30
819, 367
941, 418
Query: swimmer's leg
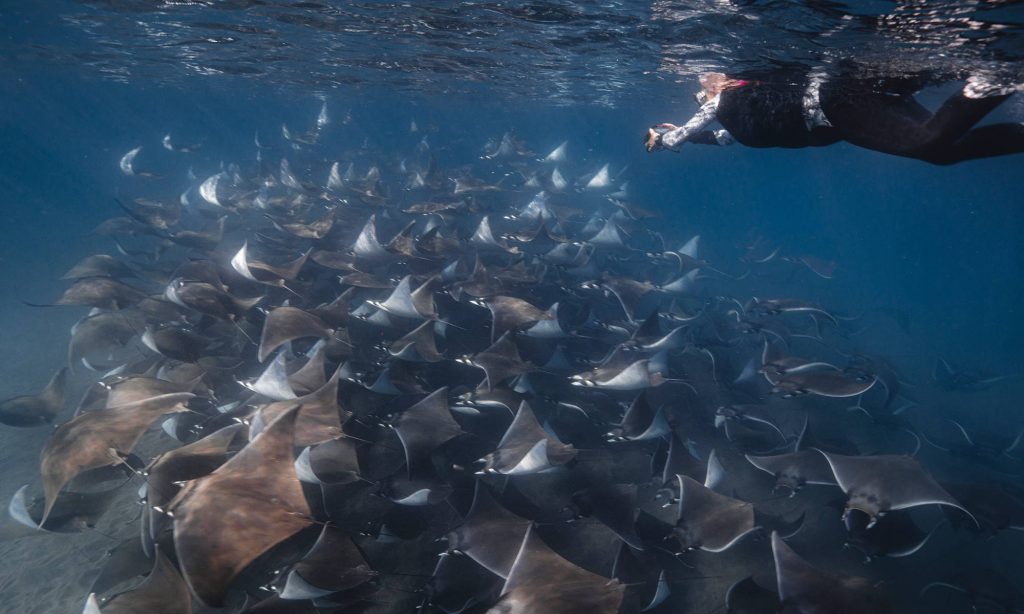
952, 121
985, 142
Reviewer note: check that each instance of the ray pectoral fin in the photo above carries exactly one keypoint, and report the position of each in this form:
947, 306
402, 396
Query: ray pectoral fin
86, 441
949, 502
542, 582
224, 521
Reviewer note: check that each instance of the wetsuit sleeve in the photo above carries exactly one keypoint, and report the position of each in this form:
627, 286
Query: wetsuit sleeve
704, 116
711, 137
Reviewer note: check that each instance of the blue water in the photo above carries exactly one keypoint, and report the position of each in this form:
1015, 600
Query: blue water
84, 82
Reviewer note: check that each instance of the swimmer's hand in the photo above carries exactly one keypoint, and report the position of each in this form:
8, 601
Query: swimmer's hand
653, 139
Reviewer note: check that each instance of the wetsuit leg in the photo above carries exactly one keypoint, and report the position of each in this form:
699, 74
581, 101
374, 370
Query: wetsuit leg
958, 115
983, 142
894, 124
897, 124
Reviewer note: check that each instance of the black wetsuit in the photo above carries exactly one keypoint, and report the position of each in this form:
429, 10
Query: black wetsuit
878, 115
761, 114
894, 122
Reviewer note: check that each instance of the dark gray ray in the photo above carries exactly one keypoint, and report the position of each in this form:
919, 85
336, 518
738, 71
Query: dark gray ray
273, 383
335, 461
796, 469
679, 460
490, 534
159, 215
775, 365
276, 605
425, 426
338, 261
676, 339
812, 591
749, 597
408, 303
629, 570
708, 520
479, 284
460, 584
979, 444
423, 488
403, 243
787, 305
36, 410
823, 383
683, 285
500, 361
175, 343
312, 375
527, 448
71, 512
399, 302
608, 237
824, 269
332, 565
164, 590
548, 328
752, 427
359, 279
317, 229
102, 333
629, 293
951, 379
286, 324
367, 247
320, 416
498, 398
208, 299
877, 484
638, 375
483, 239
987, 589
100, 292
99, 265
418, 345
541, 582
893, 535
264, 273
123, 562
641, 422
615, 506
98, 438
224, 521
206, 240
994, 506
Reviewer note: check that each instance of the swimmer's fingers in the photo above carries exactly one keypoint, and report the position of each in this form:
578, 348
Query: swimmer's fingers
652, 140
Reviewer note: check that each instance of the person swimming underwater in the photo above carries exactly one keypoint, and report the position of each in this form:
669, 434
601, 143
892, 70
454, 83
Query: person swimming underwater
813, 111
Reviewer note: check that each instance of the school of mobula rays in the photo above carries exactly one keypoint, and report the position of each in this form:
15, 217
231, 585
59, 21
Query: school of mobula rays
406, 388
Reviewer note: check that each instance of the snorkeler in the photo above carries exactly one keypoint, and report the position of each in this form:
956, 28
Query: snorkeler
814, 111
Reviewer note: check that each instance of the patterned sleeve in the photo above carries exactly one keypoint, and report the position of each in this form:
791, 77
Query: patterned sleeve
704, 116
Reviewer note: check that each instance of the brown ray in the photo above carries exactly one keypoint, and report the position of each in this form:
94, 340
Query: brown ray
542, 582
95, 439
224, 521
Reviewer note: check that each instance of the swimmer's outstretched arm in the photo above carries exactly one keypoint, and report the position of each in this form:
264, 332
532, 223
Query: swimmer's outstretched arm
670, 136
